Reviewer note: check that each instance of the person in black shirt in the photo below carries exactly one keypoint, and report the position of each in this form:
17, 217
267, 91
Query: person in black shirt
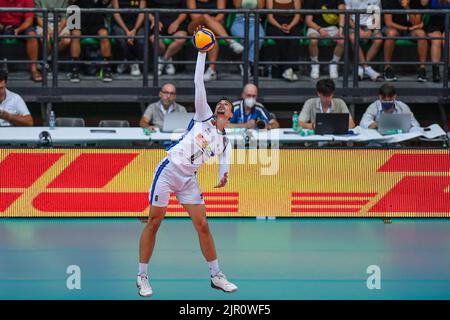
435, 29
404, 25
91, 24
170, 24
130, 25
325, 25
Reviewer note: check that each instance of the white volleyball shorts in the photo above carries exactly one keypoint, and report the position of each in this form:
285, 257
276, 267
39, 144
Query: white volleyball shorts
167, 179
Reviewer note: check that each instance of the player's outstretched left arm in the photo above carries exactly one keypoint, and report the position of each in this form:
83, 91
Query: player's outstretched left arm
224, 165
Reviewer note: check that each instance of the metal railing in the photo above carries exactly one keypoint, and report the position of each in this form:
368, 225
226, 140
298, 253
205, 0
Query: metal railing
346, 64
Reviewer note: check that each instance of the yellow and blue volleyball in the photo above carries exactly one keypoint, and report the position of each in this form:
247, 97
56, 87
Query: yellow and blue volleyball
204, 39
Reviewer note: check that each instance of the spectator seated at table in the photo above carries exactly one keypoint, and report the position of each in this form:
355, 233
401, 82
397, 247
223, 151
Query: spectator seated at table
324, 103
153, 116
13, 110
387, 103
250, 114
21, 23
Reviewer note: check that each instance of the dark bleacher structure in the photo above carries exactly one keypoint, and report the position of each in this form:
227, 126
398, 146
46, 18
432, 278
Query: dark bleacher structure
279, 95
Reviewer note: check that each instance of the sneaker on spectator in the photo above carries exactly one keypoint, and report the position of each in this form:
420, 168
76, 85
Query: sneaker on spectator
160, 66
107, 74
135, 72
236, 47
315, 71
121, 68
436, 74
334, 71
250, 70
210, 74
289, 75
360, 73
74, 75
389, 74
170, 68
372, 74
422, 75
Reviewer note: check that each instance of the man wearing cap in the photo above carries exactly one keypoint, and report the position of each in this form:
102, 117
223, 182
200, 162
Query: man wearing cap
387, 103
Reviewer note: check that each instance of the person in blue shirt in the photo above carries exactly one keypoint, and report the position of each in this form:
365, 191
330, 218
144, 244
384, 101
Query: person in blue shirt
250, 114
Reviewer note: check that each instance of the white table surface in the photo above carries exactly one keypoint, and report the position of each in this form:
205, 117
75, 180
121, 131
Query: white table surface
289, 135
71, 134
282, 135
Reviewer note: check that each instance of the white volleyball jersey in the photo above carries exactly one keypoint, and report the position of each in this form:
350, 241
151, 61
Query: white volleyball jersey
202, 140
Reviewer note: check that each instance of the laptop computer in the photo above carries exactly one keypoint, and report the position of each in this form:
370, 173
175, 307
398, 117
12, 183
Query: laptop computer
177, 121
390, 121
332, 123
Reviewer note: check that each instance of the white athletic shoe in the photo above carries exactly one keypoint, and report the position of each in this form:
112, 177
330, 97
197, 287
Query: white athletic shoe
121, 68
145, 290
372, 74
135, 72
289, 75
209, 75
360, 73
170, 68
334, 71
220, 282
236, 47
160, 66
315, 71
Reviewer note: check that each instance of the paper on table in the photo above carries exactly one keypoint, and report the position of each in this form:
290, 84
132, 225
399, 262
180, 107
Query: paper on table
434, 131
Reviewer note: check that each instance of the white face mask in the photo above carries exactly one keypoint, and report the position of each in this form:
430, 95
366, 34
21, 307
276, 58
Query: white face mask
250, 102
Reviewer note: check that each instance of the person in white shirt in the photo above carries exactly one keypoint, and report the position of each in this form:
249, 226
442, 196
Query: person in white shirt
204, 138
387, 103
367, 28
13, 110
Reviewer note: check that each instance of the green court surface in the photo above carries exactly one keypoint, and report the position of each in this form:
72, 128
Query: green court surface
281, 259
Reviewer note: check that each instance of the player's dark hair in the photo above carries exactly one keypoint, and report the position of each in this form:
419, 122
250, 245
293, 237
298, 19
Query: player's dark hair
387, 90
325, 87
3, 75
226, 99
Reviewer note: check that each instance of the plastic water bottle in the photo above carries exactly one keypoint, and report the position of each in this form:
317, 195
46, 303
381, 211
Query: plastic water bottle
295, 121
269, 71
52, 120
394, 131
307, 132
5, 65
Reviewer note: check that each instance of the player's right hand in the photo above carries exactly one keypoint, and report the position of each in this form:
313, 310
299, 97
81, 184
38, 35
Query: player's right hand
223, 181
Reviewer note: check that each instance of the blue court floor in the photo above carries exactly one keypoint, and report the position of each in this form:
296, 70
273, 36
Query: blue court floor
281, 259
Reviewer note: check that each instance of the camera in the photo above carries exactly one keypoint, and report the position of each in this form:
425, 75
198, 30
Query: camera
260, 123
45, 139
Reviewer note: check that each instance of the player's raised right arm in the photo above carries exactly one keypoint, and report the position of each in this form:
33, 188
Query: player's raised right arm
202, 109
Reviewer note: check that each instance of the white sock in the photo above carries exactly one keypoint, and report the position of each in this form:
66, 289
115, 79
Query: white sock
335, 58
213, 267
143, 268
314, 59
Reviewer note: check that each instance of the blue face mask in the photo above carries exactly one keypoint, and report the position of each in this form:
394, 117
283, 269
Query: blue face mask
386, 105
